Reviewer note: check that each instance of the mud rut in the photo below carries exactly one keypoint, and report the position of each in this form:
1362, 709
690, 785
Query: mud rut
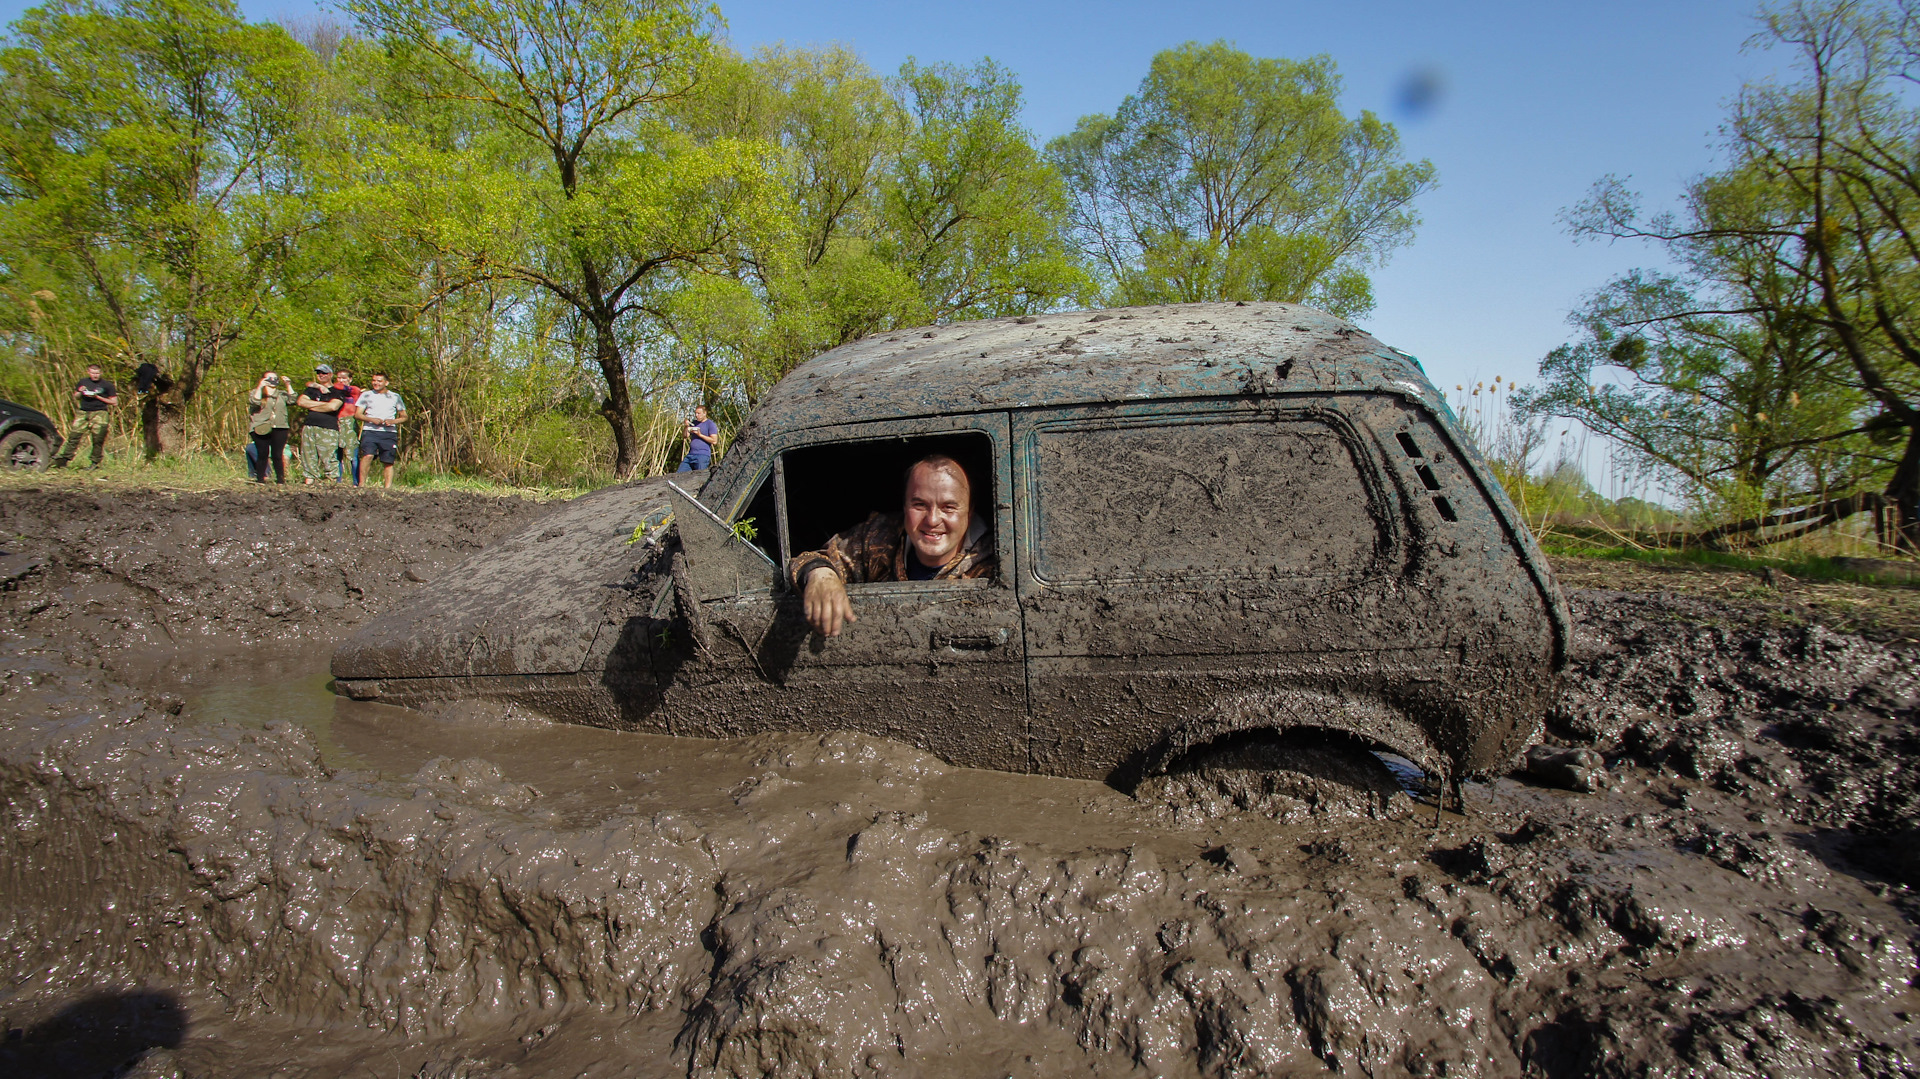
212, 868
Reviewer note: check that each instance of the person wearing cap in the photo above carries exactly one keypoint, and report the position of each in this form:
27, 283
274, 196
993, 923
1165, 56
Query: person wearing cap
320, 433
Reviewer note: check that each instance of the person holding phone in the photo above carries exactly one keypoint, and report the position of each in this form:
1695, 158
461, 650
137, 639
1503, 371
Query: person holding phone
94, 395
268, 404
702, 433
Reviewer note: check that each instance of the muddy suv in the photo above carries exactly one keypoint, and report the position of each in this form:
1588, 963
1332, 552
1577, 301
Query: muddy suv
27, 437
1211, 520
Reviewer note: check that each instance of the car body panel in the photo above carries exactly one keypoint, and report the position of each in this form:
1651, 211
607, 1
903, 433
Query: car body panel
1372, 578
15, 417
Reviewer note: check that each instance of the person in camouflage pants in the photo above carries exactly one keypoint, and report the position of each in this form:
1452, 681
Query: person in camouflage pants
93, 396
320, 435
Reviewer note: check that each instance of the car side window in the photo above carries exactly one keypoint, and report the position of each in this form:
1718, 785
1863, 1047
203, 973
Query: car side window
1200, 496
837, 486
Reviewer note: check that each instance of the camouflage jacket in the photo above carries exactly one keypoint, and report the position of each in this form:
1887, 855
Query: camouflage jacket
876, 550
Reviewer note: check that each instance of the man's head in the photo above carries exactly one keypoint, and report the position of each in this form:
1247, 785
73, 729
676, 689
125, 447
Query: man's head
380, 383
322, 373
937, 509
94, 372
699, 413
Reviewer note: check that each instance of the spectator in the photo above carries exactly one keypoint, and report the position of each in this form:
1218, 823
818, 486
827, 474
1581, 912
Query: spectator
383, 412
268, 403
94, 395
702, 433
320, 433
349, 428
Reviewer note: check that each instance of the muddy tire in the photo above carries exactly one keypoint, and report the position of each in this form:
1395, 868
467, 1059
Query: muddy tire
24, 451
1283, 776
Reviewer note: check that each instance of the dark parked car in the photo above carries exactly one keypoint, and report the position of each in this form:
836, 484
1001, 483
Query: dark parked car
27, 438
1211, 519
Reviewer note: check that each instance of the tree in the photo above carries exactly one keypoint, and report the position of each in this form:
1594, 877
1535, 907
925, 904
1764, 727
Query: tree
1834, 159
915, 199
973, 214
1724, 380
1231, 177
590, 192
153, 158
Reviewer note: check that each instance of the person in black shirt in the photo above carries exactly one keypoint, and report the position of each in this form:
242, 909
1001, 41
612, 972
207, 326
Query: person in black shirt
320, 435
94, 395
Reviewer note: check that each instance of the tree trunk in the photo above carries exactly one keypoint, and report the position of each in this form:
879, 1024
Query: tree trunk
619, 405
1904, 492
159, 423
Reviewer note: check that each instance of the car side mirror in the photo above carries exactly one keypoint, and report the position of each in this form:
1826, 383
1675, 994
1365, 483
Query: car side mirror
719, 563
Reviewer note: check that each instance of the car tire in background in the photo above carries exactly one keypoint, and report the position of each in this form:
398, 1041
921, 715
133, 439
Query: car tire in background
23, 450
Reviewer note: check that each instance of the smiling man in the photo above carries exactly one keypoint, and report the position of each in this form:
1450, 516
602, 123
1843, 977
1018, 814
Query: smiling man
934, 537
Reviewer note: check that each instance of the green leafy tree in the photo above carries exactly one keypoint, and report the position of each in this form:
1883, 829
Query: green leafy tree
915, 199
971, 211
153, 159
1228, 176
1822, 189
587, 193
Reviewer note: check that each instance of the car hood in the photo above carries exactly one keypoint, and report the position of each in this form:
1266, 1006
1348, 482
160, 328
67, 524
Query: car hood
530, 604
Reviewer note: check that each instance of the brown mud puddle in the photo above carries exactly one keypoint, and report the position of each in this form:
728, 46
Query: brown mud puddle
214, 868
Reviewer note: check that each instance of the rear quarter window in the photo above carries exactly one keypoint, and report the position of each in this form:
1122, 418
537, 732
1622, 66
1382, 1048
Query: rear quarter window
1209, 496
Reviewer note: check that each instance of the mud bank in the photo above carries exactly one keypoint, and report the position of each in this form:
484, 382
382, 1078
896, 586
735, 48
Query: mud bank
190, 891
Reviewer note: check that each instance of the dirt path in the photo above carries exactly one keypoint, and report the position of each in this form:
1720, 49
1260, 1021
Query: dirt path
211, 868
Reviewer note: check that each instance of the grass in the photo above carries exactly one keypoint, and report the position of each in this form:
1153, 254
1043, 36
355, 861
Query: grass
203, 472
1799, 564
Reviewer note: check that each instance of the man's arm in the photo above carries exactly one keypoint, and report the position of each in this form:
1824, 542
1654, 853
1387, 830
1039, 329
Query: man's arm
709, 439
822, 576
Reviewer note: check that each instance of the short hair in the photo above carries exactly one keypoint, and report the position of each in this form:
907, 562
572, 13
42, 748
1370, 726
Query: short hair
95, 367
380, 374
939, 462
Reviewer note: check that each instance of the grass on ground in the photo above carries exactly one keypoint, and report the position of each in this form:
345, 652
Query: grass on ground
1802, 564
227, 472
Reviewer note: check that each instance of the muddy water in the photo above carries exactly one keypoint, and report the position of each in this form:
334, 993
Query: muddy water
214, 867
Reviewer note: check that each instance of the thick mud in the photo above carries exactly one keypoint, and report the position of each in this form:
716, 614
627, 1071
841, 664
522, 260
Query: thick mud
214, 867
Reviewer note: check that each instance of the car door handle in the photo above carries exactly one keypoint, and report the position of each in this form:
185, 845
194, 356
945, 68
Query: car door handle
968, 642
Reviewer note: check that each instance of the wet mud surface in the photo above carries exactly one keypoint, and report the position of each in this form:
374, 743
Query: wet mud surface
215, 867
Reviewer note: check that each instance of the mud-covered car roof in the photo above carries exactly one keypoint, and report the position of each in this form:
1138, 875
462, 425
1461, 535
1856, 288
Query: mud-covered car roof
1081, 357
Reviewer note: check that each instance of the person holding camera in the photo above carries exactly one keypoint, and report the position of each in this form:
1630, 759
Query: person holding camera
94, 395
701, 433
268, 404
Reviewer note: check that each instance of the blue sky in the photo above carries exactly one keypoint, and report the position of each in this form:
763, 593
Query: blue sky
1536, 101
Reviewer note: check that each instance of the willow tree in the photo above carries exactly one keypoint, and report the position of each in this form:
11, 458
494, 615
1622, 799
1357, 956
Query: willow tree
1231, 177
590, 191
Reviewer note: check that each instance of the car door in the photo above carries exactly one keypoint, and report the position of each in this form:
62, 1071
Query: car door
935, 664
1177, 554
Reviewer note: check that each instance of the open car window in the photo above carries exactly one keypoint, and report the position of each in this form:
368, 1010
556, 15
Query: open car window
835, 486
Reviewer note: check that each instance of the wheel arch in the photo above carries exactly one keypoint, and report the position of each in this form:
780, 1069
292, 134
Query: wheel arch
1366, 717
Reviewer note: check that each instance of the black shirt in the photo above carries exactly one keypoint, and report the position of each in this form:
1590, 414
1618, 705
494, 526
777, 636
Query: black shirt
328, 420
918, 570
92, 390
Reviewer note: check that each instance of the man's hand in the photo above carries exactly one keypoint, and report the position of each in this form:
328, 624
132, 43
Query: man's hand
826, 602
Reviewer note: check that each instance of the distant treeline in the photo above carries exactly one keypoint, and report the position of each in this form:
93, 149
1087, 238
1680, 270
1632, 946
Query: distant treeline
559, 226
